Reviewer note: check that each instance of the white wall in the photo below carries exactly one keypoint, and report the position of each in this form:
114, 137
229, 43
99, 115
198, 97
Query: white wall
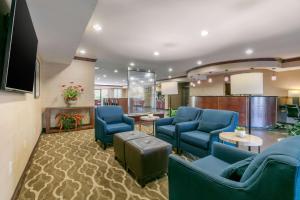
20, 127
54, 75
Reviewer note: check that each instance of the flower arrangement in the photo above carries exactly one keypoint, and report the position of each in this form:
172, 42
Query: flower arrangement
72, 92
240, 131
68, 121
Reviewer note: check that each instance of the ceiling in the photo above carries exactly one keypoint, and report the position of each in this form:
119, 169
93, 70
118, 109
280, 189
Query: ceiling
133, 29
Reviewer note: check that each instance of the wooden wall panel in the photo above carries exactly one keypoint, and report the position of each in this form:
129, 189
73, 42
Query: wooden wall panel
207, 102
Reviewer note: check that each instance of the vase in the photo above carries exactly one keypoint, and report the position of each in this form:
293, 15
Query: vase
71, 102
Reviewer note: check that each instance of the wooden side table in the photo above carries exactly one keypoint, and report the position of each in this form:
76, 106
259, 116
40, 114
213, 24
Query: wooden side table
148, 119
248, 140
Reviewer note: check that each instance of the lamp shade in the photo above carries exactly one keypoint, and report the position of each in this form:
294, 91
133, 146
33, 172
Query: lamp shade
294, 93
169, 88
247, 84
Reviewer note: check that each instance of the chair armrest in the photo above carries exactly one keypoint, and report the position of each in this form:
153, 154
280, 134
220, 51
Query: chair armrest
187, 181
129, 120
186, 126
164, 121
100, 126
229, 154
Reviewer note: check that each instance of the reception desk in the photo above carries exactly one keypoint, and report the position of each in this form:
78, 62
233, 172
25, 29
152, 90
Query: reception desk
263, 108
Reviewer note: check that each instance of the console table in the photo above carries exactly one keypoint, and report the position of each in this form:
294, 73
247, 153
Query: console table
51, 110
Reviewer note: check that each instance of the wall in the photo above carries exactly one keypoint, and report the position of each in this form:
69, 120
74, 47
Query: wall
20, 128
54, 75
285, 80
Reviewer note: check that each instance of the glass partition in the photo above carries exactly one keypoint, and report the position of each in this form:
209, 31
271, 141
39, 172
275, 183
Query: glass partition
141, 91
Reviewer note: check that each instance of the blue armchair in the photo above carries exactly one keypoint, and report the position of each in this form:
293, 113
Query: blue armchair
273, 174
166, 127
110, 120
197, 137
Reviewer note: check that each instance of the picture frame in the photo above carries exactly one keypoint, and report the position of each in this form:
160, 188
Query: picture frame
37, 76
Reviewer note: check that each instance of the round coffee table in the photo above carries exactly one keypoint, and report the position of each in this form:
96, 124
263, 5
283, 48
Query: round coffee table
148, 119
248, 140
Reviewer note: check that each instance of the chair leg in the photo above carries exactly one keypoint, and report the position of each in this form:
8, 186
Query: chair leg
104, 146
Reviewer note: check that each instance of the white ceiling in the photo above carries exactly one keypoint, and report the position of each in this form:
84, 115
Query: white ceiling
60, 25
134, 29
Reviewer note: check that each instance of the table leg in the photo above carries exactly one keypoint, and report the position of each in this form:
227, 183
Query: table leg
249, 148
140, 125
153, 128
237, 144
258, 149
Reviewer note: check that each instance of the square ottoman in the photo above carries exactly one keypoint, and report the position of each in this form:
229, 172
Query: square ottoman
147, 158
119, 143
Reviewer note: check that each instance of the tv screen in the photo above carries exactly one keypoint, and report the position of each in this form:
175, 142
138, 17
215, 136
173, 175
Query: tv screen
21, 49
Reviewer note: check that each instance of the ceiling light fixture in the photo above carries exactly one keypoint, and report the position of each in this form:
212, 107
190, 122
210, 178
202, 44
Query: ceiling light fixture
96, 68
132, 78
151, 80
170, 69
116, 71
226, 77
156, 53
199, 82
149, 70
82, 51
199, 62
169, 77
132, 64
204, 33
97, 27
104, 75
274, 77
210, 80
249, 51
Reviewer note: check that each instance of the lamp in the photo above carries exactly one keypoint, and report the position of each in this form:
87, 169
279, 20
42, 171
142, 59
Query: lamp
247, 84
169, 88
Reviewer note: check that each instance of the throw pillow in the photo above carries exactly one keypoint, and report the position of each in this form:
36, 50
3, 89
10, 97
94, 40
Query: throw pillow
235, 171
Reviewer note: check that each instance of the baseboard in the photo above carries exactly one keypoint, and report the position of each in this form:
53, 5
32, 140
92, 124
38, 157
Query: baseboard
23, 176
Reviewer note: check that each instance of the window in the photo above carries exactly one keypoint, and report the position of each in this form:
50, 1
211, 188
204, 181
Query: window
104, 93
117, 93
97, 94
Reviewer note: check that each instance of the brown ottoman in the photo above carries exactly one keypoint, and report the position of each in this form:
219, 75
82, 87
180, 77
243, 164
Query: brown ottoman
119, 143
147, 158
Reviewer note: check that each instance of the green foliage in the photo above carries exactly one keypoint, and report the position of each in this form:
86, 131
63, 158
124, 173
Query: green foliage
68, 123
294, 129
239, 128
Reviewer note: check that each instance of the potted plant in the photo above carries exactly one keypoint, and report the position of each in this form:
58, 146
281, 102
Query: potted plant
71, 93
67, 121
240, 131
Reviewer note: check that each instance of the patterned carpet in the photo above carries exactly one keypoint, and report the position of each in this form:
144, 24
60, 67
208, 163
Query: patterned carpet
73, 166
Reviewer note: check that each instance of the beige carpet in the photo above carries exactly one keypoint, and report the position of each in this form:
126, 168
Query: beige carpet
73, 166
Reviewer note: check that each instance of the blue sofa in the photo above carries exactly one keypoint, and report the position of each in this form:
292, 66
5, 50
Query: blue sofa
110, 120
197, 137
165, 128
230, 173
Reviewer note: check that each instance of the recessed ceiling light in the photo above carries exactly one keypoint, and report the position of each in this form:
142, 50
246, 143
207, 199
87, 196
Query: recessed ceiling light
104, 75
156, 53
199, 82
96, 68
116, 71
204, 33
97, 27
132, 64
149, 70
169, 77
199, 62
82, 51
151, 80
132, 78
249, 51
170, 69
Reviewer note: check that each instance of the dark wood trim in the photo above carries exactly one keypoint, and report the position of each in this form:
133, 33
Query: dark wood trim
235, 61
166, 79
23, 176
291, 60
85, 59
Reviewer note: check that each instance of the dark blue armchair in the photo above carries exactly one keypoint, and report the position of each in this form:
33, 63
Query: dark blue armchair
166, 127
110, 120
196, 137
230, 173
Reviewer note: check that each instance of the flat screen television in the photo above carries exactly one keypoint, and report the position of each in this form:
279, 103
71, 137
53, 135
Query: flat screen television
21, 50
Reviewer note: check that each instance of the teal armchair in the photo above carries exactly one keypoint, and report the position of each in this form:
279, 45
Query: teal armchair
110, 120
273, 174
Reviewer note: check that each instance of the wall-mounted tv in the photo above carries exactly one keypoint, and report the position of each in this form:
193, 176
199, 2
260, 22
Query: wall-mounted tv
20, 50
